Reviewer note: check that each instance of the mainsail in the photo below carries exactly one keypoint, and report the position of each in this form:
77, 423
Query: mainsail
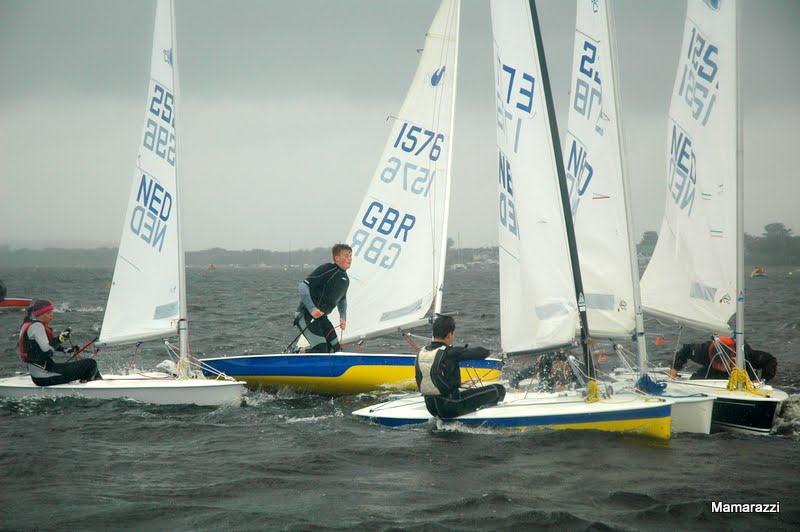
592, 155
144, 301
692, 275
399, 234
538, 304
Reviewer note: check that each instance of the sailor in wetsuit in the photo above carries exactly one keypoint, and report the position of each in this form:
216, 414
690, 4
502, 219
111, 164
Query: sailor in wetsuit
321, 292
716, 359
38, 343
439, 374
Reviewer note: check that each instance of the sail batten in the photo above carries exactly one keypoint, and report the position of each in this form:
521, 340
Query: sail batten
147, 292
399, 234
692, 273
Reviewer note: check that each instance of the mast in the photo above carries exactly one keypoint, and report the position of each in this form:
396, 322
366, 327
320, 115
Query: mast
437, 302
739, 329
562, 182
183, 323
626, 187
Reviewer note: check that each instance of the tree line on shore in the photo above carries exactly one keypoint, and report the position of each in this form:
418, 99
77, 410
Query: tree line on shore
775, 247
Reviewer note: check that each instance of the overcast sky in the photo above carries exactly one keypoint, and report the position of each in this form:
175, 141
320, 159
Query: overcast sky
284, 106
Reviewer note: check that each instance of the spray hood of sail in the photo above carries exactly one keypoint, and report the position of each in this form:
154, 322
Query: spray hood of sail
398, 236
537, 296
692, 274
144, 301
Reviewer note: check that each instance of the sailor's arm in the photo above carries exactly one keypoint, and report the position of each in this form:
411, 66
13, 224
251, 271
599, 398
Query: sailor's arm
342, 308
470, 353
305, 298
764, 361
681, 357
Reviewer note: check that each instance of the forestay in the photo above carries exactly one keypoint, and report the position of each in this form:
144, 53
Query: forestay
399, 234
692, 274
593, 164
144, 299
537, 295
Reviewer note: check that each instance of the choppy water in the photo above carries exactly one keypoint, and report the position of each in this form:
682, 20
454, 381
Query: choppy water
293, 461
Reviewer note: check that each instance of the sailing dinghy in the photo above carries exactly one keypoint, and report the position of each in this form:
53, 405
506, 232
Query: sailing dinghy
399, 241
696, 275
11, 302
147, 300
599, 194
540, 286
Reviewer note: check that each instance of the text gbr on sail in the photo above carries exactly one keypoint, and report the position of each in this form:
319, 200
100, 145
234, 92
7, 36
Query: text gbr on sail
383, 235
151, 214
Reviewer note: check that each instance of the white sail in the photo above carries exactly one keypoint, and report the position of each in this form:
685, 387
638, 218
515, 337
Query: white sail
538, 306
399, 234
593, 164
692, 274
144, 301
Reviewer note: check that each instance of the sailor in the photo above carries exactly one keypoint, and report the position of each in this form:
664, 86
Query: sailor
321, 292
38, 343
552, 371
718, 358
439, 374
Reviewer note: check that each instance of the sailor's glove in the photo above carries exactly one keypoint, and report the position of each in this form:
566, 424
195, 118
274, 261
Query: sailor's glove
64, 335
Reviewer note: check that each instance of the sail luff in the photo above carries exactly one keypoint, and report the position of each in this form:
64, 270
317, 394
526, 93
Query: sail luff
555, 146
626, 187
437, 304
739, 330
183, 325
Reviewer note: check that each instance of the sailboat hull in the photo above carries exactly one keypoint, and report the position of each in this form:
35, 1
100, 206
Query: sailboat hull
13, 303
558, 411
692, 411
338, 373
154, 388
738, 411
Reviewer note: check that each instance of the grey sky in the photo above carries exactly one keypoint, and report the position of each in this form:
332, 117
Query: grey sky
284, 107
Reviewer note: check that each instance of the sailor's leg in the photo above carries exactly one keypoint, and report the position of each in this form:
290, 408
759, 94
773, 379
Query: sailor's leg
316, 335
84, 370
473, 399
308, 328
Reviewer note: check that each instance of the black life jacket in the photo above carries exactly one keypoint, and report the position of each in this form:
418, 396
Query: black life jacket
28, 346
327, 285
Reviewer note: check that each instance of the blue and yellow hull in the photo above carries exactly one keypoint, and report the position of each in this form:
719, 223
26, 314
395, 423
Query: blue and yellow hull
338, 373
520, 411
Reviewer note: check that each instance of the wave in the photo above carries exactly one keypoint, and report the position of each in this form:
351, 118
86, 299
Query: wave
67, 307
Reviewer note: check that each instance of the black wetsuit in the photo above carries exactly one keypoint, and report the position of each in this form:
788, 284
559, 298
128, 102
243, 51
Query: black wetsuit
327, 286
444, 377
47, 372
756, 360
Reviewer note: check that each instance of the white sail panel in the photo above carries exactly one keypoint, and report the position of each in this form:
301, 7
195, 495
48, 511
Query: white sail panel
593, 164
537, 295
144, 299
692, 274
398, 236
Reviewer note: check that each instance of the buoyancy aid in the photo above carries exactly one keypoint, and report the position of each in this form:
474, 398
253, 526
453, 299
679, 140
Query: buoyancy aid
720, 358
425, 360
27, 345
